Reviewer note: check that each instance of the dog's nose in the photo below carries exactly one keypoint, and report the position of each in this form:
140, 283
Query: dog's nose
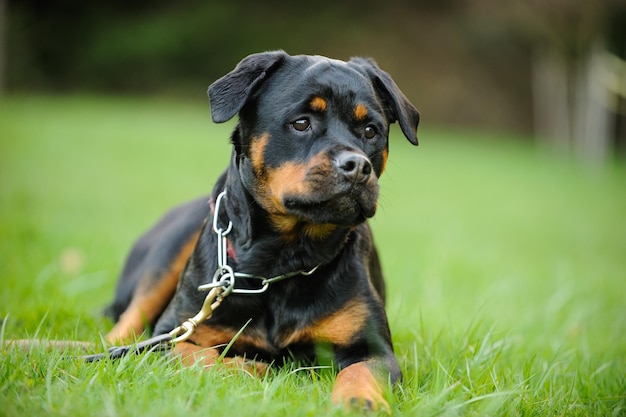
354, 166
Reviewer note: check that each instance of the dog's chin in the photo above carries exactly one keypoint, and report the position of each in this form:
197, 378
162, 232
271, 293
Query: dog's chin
343, 210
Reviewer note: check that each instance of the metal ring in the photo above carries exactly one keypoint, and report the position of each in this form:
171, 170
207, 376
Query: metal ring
225, 277
257, 291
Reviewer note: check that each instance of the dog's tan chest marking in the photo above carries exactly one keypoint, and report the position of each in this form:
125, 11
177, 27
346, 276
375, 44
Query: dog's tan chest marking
339, 328
211, 336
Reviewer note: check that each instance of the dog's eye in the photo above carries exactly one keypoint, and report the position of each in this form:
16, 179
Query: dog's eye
370, 132
301, 125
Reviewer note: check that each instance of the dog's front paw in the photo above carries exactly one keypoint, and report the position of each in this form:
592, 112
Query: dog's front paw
252, 367
357, 388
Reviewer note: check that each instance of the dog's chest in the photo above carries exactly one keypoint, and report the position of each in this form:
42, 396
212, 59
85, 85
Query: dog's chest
278, 331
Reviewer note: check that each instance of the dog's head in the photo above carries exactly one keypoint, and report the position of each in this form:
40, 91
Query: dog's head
312, 138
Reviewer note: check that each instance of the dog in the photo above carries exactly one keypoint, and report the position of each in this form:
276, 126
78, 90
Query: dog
290, 227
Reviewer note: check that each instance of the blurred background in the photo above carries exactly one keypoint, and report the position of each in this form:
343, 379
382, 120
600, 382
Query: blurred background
552, 70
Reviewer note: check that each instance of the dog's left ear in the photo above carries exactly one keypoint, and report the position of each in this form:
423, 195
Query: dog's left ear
228, 94
397, 106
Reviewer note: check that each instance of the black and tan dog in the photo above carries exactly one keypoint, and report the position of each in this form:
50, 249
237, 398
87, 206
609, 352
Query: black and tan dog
310, 145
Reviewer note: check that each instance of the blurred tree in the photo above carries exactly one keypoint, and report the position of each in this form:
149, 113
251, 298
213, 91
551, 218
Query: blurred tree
617, 45
570, 65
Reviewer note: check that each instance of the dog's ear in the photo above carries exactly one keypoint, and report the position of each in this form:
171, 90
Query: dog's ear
228, 94
397, 106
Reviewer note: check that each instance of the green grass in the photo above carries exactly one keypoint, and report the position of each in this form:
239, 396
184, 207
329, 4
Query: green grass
506, 268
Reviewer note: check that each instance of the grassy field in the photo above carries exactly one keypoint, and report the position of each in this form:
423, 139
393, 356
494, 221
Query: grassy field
506, 268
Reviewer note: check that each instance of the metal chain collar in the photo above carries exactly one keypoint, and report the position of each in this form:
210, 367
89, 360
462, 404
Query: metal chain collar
223, 282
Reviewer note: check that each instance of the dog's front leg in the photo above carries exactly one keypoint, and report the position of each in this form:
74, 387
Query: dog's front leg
361, 385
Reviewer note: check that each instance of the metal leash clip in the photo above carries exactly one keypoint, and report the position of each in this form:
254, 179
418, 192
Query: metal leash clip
211, 302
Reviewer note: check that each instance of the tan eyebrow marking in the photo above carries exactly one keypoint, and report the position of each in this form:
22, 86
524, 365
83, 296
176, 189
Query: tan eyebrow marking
360, 111
318, 104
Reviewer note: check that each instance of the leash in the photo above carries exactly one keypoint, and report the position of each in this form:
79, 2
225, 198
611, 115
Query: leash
157, 343
222, 285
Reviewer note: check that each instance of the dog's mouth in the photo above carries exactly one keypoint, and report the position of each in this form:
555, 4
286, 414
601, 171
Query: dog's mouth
343, 208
